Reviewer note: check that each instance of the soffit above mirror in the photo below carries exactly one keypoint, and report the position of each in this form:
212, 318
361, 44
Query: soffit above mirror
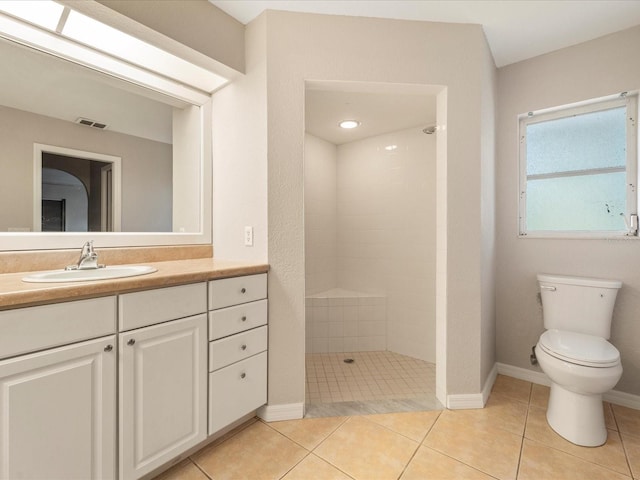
71, 27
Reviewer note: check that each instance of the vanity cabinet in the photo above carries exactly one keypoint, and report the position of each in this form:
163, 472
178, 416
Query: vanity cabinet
58, 403
162, 376
237, 348
119, 386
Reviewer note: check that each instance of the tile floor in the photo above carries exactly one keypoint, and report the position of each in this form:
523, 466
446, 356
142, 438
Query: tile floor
375, 382
509, 439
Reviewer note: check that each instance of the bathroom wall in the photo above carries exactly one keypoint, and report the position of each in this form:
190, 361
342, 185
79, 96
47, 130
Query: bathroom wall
297, 47
329, 47
386, 232
240, 155
605, 66
320, 215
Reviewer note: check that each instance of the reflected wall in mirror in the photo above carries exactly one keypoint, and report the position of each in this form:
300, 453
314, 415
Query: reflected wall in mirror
45, 100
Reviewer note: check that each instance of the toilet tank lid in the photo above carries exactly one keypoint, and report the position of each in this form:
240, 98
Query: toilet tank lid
581, 281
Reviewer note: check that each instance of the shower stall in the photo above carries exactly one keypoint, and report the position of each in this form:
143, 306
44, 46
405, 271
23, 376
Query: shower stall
370, 233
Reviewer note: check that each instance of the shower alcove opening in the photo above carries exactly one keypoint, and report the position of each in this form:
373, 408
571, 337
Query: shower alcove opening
370, 249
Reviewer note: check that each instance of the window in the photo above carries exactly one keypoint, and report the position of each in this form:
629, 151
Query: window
578, 170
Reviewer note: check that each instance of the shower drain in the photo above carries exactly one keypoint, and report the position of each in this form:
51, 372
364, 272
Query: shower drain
348, 360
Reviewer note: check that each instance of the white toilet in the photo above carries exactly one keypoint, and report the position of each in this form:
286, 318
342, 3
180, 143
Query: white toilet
575, 354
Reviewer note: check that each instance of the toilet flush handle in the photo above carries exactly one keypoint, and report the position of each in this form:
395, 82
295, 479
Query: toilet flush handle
547, 287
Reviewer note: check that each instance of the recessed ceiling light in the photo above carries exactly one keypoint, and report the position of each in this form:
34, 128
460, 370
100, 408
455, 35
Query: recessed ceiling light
391, 147
348, 124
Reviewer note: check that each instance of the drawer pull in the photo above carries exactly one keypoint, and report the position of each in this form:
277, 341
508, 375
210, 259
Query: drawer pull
243, 290
131, 341
243, 375
108, 348
244, 318
243, 347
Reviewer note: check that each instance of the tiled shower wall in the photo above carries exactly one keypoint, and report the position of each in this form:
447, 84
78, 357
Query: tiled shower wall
346, 322
320, 215
374, 209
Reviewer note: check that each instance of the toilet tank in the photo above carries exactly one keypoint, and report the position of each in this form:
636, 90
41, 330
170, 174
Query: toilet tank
577, 304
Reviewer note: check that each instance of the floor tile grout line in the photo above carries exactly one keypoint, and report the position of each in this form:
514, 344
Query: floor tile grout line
431, 428
413, 455
626, 455
200, 468
582, 458
459, 461
240, 428
294, 465
419, 442
524, 431
576, 456
345, 418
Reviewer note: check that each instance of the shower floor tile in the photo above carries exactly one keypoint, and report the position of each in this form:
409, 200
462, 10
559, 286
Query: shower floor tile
375, 382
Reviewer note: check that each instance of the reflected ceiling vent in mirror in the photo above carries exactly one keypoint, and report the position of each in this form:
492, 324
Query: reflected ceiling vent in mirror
91, 123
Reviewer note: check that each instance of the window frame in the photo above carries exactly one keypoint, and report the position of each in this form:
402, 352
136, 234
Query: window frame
627, 100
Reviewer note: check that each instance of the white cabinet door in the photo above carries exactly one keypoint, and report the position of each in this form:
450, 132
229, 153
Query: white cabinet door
163, 393
58, 413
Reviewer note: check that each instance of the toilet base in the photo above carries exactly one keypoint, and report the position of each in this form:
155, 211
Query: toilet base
578, 418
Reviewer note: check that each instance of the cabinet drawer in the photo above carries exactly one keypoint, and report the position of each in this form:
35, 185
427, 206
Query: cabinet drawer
36, 328
140, 309
237, 390
227, 321
236, 290
237, 347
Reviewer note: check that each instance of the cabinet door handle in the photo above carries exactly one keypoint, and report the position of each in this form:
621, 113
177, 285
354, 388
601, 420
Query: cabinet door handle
243, 375
243, 290
108, 348
131, 341
244, 318
243, 347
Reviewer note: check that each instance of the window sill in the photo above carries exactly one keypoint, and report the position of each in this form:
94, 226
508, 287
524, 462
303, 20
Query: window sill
578, 236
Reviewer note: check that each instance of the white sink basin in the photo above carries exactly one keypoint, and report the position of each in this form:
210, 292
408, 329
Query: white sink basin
106, 273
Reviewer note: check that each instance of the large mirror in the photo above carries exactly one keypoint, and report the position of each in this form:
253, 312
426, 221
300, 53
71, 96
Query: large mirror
84, 154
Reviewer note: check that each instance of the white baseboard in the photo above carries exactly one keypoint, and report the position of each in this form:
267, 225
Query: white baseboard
617, 398
488, 384
623, 399
277, 413
523, 374
465, 401
473, 400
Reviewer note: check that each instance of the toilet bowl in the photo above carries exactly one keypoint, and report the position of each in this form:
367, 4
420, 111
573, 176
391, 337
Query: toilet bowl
576, 356
579, 377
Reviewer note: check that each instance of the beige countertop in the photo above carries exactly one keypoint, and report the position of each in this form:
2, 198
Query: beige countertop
16, 293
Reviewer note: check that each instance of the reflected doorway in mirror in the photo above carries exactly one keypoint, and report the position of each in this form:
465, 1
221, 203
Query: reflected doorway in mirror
88, 182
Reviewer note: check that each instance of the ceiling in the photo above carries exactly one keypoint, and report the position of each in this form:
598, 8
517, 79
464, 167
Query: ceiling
381, 108
515, 29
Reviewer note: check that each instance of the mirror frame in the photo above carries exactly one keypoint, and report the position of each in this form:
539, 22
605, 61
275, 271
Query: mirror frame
67, 50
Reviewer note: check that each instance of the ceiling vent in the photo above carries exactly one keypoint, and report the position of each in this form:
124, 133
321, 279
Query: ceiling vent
91, 123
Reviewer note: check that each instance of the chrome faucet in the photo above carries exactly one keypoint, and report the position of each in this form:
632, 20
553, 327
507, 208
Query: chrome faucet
88, 259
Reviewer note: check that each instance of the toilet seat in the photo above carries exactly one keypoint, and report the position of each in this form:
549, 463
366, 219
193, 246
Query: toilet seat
579, 348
